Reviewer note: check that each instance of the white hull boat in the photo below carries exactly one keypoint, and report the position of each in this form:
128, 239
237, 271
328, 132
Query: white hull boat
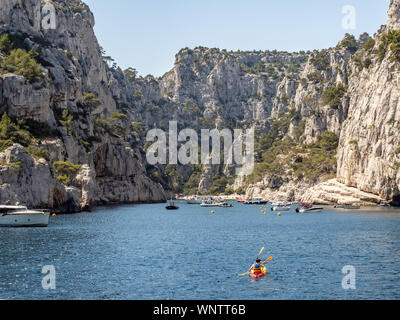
225, 205
194, 201
11, 216
303, 210
281, 208
210, 205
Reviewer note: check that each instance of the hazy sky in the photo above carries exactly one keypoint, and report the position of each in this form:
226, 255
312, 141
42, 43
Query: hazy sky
146, 34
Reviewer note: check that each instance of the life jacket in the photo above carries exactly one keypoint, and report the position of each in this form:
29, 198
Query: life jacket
257, 268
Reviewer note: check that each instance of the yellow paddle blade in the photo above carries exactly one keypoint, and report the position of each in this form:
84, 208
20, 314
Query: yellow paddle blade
269, 259
262, 249
243, 274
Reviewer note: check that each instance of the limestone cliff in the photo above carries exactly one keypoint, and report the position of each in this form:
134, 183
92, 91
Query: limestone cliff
318, 115
75, 101
369, 149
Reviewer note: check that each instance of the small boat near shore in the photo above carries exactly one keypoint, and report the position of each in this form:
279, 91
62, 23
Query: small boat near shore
210, 204
348, 207
195, 200
21, 216
304, 210
171, 205
225, 205
384, 204
256, 201
281, 208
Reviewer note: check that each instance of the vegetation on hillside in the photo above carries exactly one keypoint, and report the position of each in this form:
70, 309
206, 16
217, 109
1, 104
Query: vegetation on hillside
66, 171
333, 95
287, 157
390, 40
20, 62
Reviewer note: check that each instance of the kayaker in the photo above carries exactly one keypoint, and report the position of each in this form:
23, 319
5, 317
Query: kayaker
256, 267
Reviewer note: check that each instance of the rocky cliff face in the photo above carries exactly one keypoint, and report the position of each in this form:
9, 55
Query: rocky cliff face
349, 90
369, 153
212, 88
394, 15
317, 115
77, 100
368, 166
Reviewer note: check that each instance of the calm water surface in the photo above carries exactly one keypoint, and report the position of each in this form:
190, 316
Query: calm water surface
146, 252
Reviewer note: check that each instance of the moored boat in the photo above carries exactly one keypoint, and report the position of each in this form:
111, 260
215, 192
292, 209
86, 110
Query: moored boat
225, 205
210, 203
194, 200
303, 210
21, 216
256, 201
281, 208
171, 205
348, 207
384, 204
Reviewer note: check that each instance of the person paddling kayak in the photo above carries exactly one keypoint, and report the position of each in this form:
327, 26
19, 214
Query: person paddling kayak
257, 267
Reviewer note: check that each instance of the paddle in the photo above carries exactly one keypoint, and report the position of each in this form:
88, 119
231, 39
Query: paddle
261, 251
243, 274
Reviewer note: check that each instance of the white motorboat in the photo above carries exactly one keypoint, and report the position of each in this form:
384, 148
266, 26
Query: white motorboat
225, 205
20, 216
195, 200
303, 210
281, 208
256, 201
210, 203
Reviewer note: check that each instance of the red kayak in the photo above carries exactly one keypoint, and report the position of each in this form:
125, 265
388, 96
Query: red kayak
263, 273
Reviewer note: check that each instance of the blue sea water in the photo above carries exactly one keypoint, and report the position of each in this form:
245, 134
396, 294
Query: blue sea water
146, 252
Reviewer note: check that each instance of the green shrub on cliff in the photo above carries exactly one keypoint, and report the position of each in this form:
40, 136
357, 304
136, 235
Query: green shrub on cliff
5, 44
321, 60
333, 95
390, 40
22, 63
369, 44
314, 77
40, 130
112, 125
11, 133
66, 171
288, 157
5, 144
320, 160
90, 100
191, 108
192, 185
66, 121
349, 43
38, 152
219, 184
